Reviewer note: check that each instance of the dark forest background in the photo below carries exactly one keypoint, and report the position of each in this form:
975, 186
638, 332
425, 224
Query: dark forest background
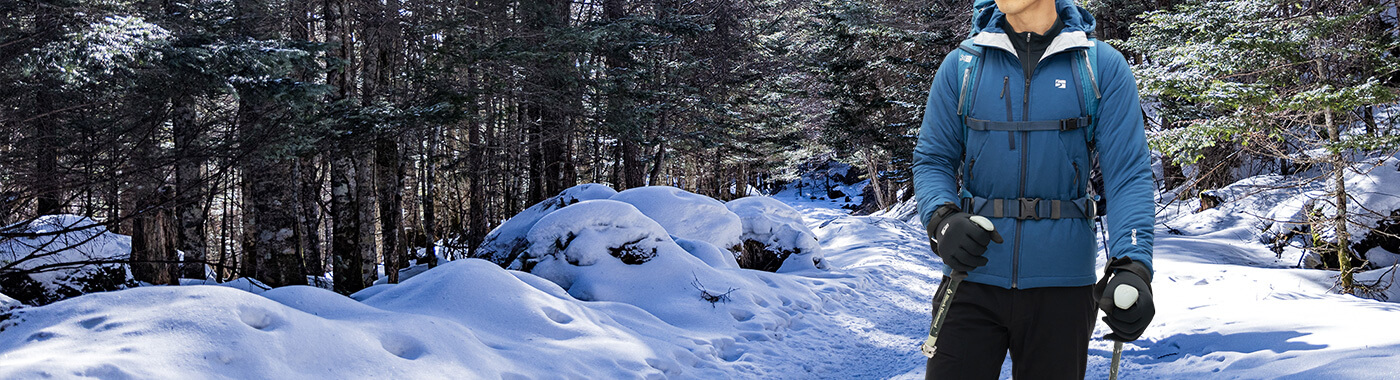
284, 139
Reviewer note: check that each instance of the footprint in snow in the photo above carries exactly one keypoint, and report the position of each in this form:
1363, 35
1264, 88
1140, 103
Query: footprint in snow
402, 346
258, 318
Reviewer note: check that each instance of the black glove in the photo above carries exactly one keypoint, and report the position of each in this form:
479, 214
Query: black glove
960, 240
1127, 324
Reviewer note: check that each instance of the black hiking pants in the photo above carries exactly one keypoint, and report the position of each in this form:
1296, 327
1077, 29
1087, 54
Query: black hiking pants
1047, 331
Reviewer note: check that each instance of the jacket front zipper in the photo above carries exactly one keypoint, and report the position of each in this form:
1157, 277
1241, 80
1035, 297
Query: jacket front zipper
1025, 138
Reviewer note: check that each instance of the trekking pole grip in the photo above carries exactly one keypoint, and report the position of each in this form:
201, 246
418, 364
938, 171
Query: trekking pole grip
930, 345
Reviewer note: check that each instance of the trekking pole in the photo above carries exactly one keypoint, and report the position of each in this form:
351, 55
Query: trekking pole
1123, 297
930, 346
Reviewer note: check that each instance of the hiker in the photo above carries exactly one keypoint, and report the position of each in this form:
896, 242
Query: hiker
1015, 117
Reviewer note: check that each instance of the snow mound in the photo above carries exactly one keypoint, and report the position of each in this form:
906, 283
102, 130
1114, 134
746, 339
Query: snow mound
242, 283
37, 261
776, 238
463, 319
708, 253
686, 215
505, 243
466, 319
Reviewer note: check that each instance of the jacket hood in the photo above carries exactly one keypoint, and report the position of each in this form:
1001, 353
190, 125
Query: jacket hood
1076, 19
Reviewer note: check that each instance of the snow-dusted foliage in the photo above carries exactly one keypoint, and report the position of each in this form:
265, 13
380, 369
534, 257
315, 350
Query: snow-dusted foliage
686, 215
505, 243
60, 256
775, 236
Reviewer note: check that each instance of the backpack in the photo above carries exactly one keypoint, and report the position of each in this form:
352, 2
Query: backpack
969, 68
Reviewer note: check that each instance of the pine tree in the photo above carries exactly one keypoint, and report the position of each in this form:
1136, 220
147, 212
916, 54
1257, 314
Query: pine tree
1277, 78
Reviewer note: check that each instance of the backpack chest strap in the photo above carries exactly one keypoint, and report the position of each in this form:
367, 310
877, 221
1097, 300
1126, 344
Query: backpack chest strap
1061, 125
1031, 208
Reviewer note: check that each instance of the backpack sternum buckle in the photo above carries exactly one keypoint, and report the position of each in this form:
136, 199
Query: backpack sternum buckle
1030, 208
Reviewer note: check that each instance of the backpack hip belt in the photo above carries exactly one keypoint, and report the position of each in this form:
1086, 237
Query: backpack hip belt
1032, 208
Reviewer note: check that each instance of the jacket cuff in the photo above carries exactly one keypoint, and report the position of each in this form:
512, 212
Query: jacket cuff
940, 213
1130, 265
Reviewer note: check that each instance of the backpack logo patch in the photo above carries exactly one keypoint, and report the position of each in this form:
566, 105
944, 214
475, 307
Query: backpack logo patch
1059, 83
966, 58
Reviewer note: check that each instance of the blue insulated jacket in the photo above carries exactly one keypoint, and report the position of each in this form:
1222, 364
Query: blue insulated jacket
1039, 164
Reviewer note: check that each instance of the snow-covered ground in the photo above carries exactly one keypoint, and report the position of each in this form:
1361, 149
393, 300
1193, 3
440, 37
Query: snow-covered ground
1228, 308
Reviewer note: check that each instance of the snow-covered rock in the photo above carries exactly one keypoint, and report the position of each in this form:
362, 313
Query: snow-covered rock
686, 215
35, 259
776, 238
505, 243
1381, 258
605, 250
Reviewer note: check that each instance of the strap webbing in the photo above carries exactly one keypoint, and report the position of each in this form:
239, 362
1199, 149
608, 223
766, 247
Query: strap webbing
1061, 125
1032, 208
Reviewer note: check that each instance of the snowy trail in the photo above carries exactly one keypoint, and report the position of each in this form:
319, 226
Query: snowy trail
1227, 308
891, 279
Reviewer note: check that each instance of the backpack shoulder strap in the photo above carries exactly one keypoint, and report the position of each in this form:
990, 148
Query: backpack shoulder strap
969, 55
1089, 85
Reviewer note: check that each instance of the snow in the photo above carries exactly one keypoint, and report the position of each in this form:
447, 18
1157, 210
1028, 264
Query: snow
686, 215
1228, 308
585, 248
242, 283
779, 227
708, 253
504, 243
59, 239
1373, 188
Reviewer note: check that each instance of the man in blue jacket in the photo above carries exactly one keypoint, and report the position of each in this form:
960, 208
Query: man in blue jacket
1012, 143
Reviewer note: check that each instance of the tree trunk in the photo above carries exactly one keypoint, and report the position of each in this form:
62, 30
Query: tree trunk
345, 240
872, 165
632, 165
476, 181
656, 162
270, 220
46, 179
190, 187
367, 203
1339, 166
430, 194
309, 214
153, 255
390, 184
